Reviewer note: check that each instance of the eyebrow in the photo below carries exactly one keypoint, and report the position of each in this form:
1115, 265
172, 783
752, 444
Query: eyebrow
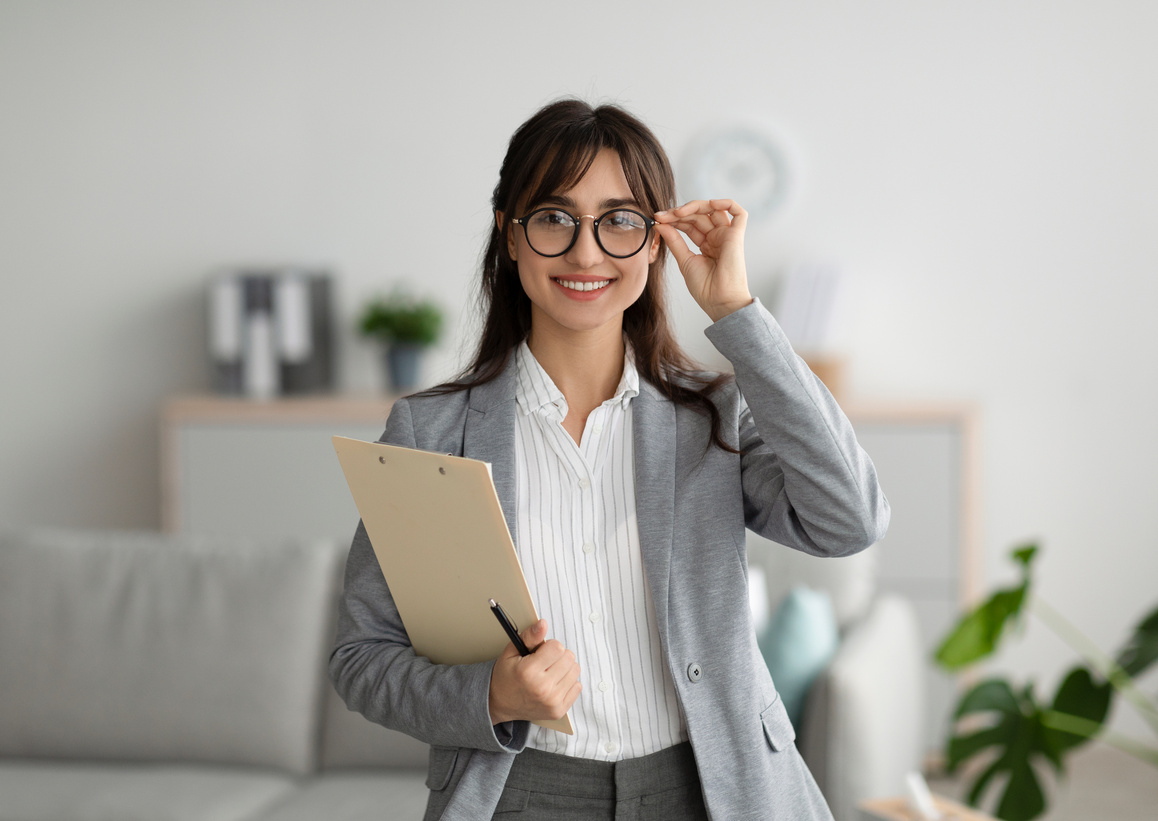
605, 205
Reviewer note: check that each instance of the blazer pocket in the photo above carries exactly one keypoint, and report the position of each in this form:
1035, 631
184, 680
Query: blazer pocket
778, 727
440, 767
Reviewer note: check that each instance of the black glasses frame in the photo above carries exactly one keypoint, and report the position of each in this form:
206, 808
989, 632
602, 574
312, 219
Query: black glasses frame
648, 222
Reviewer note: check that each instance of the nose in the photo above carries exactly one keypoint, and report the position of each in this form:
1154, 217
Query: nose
586, 252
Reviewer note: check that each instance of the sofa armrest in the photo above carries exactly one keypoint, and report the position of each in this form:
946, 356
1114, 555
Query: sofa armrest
862, 725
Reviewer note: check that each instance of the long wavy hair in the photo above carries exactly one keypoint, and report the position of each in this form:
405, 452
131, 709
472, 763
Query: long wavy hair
547, 155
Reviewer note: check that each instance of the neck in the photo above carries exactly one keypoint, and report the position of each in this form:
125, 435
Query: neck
586, 366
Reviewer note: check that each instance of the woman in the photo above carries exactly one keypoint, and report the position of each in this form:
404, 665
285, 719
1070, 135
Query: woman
627, 478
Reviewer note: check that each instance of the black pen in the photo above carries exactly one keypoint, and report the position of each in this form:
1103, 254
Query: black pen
509, 626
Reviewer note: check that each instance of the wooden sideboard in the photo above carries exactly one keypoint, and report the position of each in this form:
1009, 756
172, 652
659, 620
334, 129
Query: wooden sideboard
239, 467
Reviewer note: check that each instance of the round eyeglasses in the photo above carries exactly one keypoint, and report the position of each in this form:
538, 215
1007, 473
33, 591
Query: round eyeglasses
552, 232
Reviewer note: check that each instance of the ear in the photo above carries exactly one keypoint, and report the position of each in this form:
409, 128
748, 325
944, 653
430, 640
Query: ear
653, 252
512, 246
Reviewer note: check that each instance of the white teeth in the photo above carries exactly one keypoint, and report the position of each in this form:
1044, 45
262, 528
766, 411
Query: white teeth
584, 286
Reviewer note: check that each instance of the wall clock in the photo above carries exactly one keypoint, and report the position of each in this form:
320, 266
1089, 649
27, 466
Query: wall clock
744, 164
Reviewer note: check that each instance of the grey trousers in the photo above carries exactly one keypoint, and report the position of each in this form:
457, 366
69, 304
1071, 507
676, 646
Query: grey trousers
663, 786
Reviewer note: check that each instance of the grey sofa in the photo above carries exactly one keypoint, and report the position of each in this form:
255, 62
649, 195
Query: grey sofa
146, 677
156, 678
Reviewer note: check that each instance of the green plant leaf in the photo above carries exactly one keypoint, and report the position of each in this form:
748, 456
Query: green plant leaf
991, 695
1023, 798
961, 748
1025, 554
982, 782
978, 633
1013, 736
1142, 648
1081, 696
399, 318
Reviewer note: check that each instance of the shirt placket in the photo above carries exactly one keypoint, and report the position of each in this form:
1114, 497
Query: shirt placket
580, 463
591, 531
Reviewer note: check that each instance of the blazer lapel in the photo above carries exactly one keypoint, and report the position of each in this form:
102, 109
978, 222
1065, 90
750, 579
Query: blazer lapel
489, 435
654, 440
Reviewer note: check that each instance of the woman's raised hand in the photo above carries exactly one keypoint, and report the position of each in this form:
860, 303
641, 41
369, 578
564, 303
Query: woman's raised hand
716, 276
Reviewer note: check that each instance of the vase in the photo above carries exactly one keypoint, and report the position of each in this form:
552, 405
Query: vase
402, 361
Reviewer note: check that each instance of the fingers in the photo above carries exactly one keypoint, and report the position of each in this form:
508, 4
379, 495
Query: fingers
722, 210
547, 682
699, 218
542, 685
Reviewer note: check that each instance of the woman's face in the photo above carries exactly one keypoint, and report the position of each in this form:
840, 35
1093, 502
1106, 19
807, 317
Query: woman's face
558, 286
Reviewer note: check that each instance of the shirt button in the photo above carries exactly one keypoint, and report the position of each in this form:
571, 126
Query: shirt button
588, 547
604, 686
610, 747
695, 672
584, 483
595, 617
598, 428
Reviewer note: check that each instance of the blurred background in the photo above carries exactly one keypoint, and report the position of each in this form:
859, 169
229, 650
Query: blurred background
982, 175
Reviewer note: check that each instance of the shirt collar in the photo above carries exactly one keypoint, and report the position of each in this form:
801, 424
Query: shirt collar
536, 392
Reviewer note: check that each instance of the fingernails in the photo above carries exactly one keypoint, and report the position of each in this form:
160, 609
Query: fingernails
661, 213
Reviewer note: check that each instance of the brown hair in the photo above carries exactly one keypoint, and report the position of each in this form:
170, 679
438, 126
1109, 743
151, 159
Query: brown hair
548, 154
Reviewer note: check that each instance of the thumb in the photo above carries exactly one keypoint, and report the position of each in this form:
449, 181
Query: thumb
534, 635
675, 243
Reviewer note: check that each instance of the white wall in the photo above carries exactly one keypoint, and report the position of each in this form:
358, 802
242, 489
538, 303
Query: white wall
986, 172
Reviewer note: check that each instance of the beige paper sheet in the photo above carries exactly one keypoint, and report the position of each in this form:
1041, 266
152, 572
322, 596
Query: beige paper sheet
441, 539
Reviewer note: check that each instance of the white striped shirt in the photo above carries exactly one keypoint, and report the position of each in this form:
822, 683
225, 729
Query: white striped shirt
578, 541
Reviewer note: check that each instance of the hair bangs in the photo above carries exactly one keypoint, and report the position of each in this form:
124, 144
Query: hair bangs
563, 165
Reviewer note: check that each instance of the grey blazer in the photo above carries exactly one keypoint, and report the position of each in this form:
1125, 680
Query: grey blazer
800, 479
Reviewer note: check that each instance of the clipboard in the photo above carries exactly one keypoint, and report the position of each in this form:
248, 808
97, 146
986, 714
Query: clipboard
440, 536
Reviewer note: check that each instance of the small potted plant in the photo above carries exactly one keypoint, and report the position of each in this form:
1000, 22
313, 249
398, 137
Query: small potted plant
407, 326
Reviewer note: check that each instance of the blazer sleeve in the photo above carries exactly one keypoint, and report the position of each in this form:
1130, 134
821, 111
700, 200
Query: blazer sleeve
376, 671
807, 483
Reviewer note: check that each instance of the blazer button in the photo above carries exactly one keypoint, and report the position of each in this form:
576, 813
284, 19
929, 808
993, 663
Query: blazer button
695, 672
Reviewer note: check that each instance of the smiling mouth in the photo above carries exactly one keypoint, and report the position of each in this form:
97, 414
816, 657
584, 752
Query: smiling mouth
583, 286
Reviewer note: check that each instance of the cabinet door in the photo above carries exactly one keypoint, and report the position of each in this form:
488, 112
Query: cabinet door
264, 479
926, 556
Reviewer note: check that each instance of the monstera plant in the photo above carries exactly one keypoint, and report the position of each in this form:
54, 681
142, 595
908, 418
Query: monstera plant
1010, 729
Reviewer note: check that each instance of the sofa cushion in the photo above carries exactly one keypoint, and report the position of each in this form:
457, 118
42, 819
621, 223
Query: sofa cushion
351, 740
65, 791
138, 646
798, 644
850, 581
355, 797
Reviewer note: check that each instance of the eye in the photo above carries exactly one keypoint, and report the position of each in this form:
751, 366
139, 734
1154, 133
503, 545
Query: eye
552, 219
622, 221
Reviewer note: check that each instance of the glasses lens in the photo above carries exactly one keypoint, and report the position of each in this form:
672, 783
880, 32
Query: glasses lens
622, 233
549, 232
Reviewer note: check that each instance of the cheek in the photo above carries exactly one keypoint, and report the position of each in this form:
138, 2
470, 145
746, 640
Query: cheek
529, 276
637, 277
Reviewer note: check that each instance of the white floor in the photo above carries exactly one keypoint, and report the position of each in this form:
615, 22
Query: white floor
1102, 784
